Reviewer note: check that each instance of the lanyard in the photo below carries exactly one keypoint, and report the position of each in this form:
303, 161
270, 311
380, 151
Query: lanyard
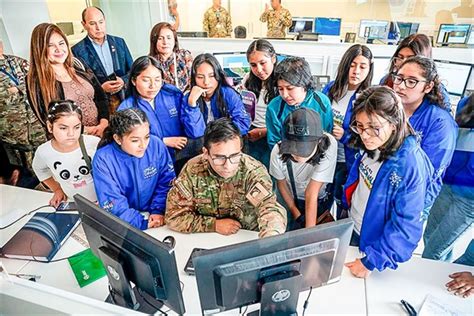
13, 77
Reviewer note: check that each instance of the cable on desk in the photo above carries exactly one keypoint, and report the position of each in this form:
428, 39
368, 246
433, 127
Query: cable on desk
305, 305
24, 215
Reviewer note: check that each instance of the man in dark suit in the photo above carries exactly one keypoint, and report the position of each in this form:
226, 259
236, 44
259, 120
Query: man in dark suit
108, 56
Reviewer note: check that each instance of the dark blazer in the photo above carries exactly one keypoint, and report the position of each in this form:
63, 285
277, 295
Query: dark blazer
121, 57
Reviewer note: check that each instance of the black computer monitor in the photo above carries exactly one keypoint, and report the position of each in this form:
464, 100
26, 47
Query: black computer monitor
272, 270
131, 256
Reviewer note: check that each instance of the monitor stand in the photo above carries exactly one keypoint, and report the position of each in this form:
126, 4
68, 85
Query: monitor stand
280, 294
121, 291
370, 41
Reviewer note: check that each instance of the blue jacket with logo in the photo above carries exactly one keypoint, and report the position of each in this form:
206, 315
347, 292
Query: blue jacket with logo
274, 119
392, 224
170, 117
349, 152
235, 108
436, 131
127, 185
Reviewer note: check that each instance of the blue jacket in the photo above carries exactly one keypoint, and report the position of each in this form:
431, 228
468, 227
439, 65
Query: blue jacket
171, 117
436, 131
460, 173
235, 108
392, 224
121, 57
349, 153
274, 121
127, 185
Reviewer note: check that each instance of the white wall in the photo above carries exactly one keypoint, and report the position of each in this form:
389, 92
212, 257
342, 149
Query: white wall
19, 19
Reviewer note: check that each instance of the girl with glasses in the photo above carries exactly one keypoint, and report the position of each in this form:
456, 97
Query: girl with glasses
387, 184
354, 74
133, 170
417, 84
170, 119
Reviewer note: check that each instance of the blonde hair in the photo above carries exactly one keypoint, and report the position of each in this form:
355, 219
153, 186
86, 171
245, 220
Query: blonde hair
41, 78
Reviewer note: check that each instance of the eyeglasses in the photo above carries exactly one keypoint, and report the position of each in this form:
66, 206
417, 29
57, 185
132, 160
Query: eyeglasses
221, 160
410, 83
371, 131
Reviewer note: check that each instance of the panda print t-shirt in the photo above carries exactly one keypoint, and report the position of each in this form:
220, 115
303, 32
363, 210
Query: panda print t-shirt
68, 169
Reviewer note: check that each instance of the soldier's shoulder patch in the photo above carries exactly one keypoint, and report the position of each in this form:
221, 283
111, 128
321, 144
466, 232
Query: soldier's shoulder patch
183, 190
257, 194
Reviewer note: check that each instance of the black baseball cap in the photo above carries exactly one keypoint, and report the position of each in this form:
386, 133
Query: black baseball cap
301, 132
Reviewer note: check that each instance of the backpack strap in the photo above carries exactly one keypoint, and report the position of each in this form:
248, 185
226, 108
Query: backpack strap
86, 157
289, 166
319, 101
282, 107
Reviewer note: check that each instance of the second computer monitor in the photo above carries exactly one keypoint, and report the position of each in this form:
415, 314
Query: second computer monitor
327, 26
374, 29
407, 28
453, 33
299, 25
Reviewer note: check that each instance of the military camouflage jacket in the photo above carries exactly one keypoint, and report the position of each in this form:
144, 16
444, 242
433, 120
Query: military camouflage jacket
199, 197
277, 22
18, 123
217, 23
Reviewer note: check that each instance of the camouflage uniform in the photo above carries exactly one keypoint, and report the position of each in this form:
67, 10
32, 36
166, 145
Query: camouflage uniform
19, 126
199, 197
217, 23
277, 22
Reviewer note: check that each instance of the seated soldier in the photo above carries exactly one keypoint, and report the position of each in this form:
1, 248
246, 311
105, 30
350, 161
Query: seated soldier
223, 190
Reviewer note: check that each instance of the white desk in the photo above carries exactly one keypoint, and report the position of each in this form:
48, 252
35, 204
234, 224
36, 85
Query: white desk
412, 281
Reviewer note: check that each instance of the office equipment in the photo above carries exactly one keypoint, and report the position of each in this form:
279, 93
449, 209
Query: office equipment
407, 28
452, 34
307, 36
327, 26
455, 76
66, 27
470, 39
192, 34
272, 270
320, 81
374, 30
299, 24
131, 256
41, 237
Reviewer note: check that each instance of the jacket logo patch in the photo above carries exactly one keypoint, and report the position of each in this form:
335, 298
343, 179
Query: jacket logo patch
395, 179
108, 206
173, 112
149, 172
257, 194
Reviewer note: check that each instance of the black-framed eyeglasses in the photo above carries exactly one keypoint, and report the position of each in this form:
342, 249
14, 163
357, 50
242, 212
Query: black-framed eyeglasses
410, 83
371, 131
221, 160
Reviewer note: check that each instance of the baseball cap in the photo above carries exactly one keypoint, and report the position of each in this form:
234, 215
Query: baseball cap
301, 132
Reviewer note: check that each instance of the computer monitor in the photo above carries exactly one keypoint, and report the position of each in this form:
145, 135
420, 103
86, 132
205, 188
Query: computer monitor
407, 29
131, 256
454, 75
470, 39
327, 26
192, 34
453, 34
277, 267
299, 25
374, 29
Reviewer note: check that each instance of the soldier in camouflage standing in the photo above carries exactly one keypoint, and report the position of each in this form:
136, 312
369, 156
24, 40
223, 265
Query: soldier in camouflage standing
217, 21
277, 19
223, 190
20, 130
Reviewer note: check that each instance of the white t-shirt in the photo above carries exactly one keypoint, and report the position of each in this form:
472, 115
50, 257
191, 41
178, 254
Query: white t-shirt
260, 110
339, 109
68, 169
210, 115
304, 172
368, 169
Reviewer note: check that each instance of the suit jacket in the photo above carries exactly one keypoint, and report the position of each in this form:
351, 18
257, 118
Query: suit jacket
121, 57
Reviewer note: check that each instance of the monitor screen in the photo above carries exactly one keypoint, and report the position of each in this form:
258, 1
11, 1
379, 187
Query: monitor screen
242, 274
374, 29
453, 33
470, 39
327, 26
454, 76
381, 67
131, 256
407, 28
299, 25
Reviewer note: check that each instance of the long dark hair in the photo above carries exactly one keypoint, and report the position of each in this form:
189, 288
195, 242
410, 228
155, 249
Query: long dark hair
420, 44
219, 75
384, 102
61, 108
339, 89
121, 123
430, 74
139, 66
465, 118
322, 146
254, 83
